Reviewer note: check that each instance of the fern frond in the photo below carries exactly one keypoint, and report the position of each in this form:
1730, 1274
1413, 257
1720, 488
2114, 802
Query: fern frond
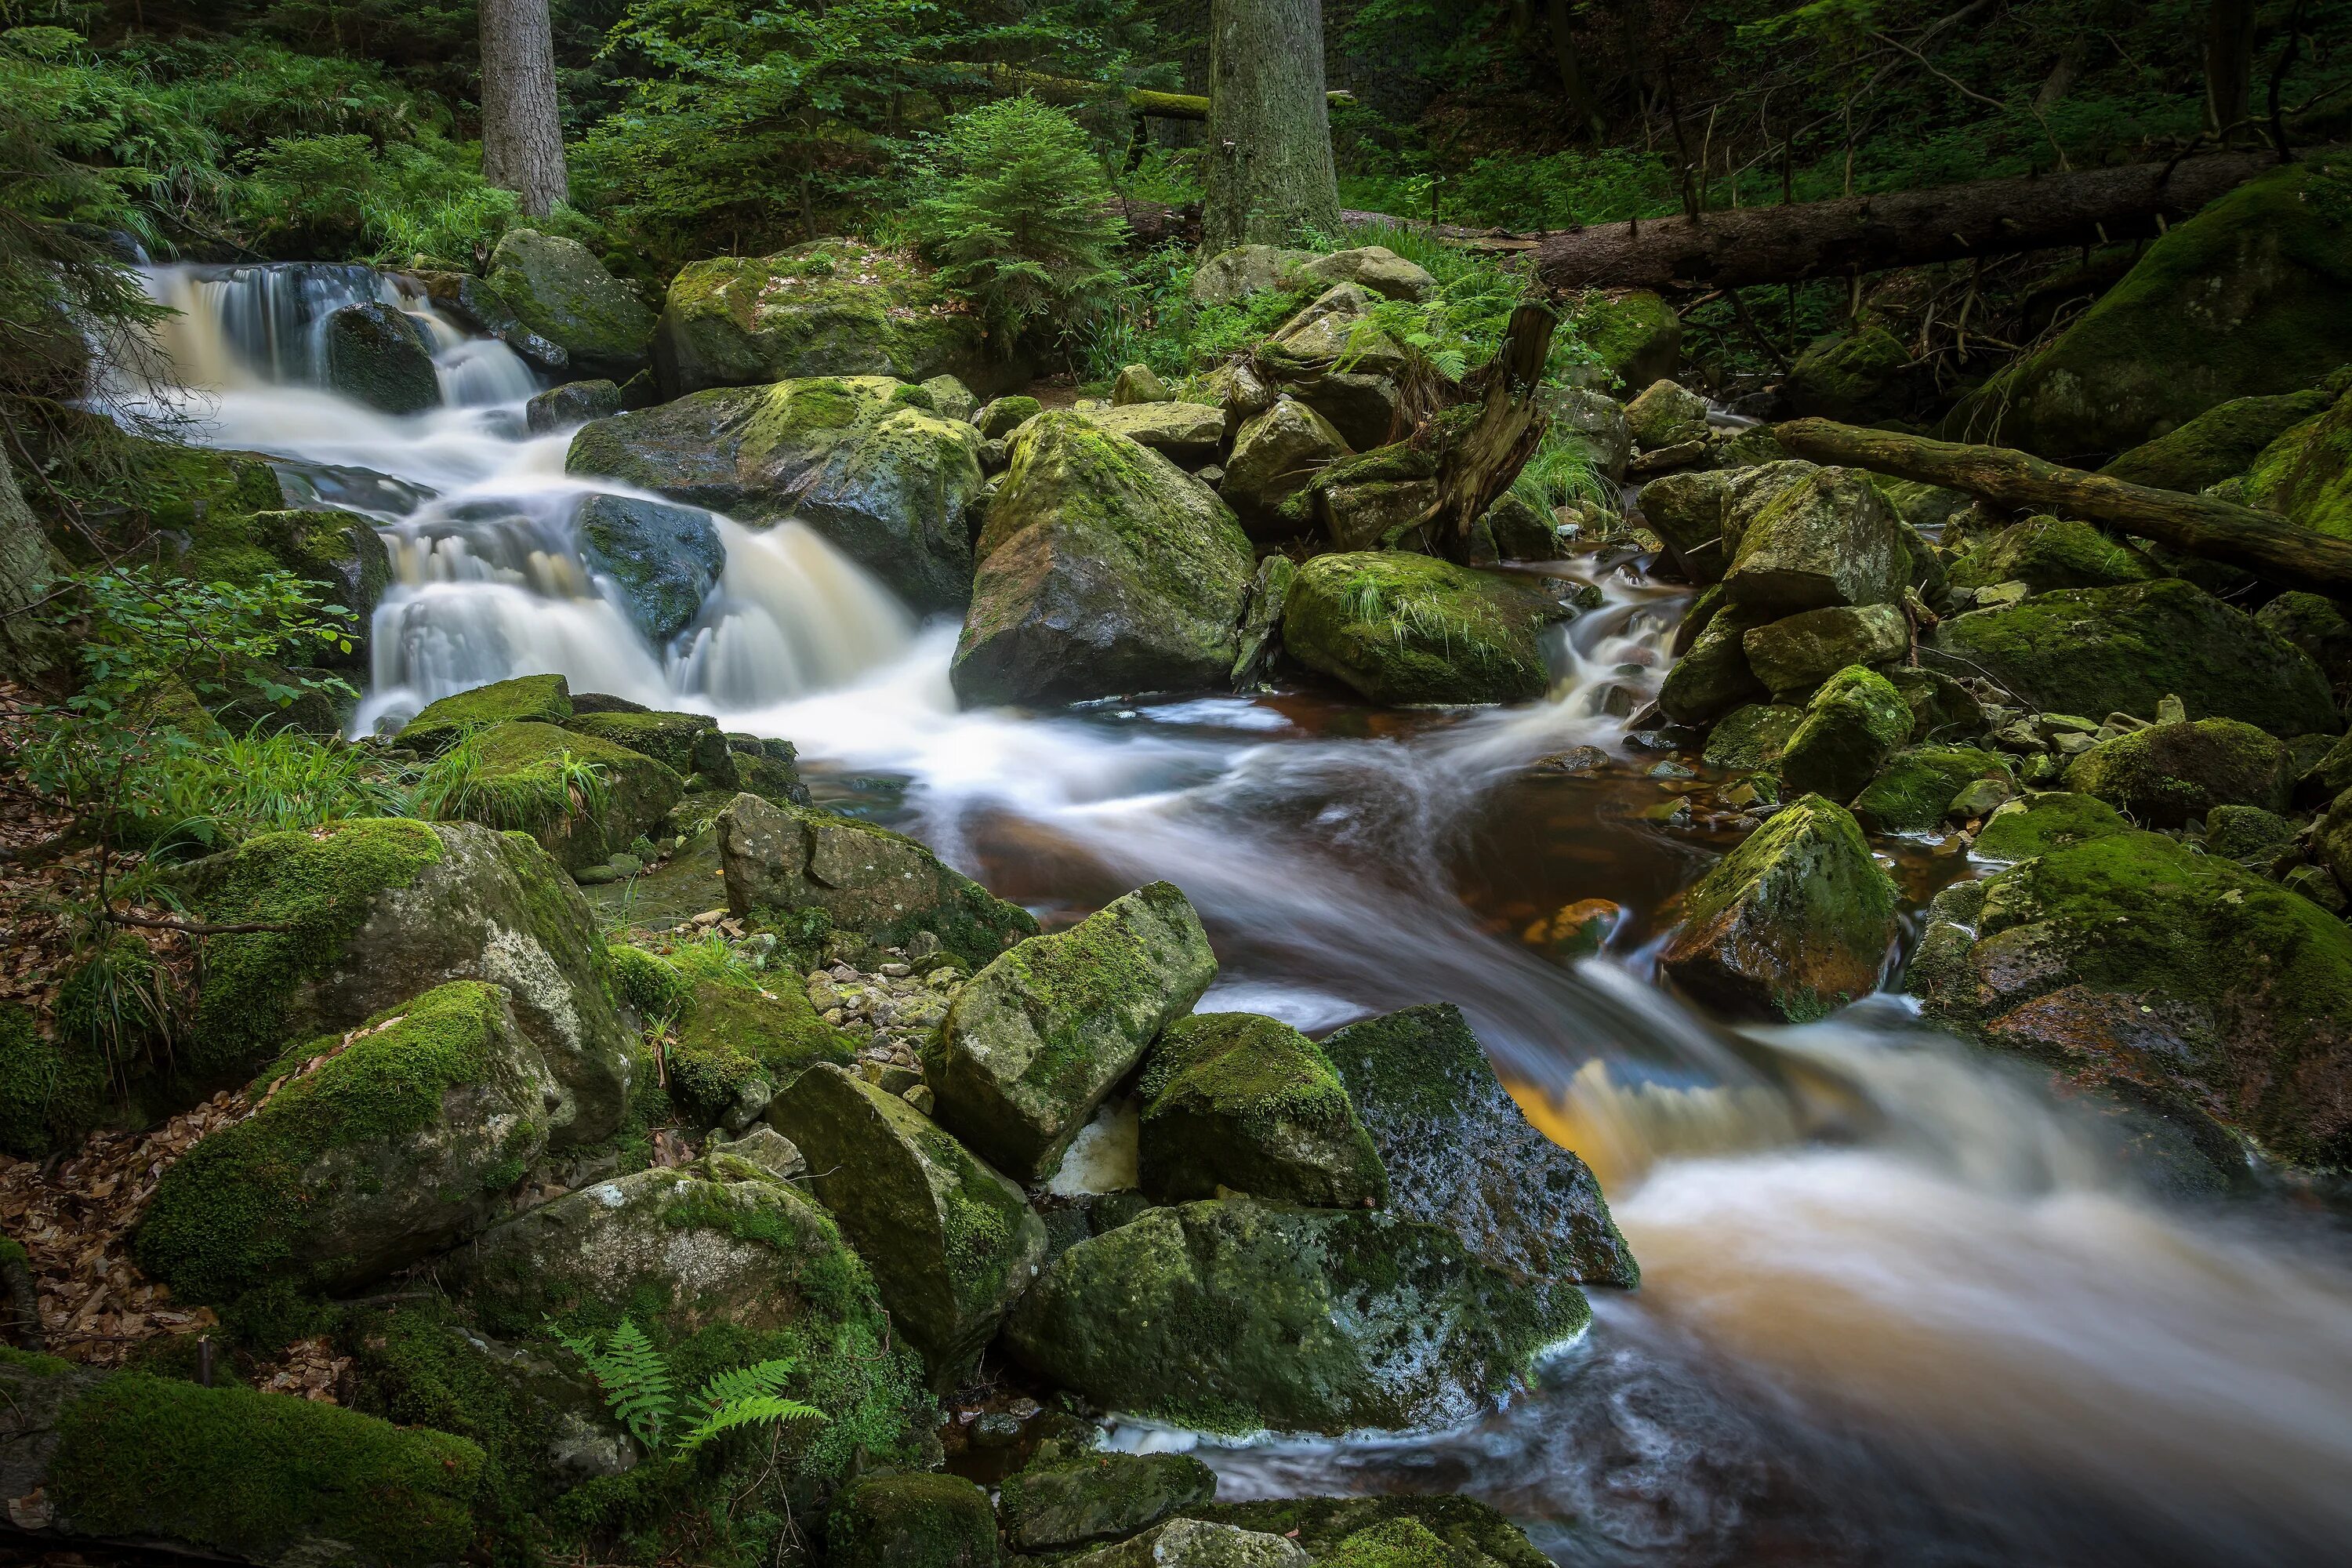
759, 1410
746, 1382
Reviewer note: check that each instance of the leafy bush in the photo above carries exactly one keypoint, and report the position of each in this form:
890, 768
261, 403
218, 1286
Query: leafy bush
1019, 214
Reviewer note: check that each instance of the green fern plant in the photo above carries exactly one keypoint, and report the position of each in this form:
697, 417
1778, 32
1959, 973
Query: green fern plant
639, 1389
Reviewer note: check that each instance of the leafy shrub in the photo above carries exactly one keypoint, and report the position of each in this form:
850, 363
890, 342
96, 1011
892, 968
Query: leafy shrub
1019, 214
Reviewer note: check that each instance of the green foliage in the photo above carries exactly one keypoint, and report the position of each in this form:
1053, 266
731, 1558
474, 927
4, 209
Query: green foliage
464, 783
1562, 472
638, 1388
117, 1003
343, 195
226, 790
1019, 214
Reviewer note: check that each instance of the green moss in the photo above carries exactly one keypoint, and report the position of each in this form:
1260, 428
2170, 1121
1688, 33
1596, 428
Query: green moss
319, 885
560, 290
544, 698
1404, 628
51, 1094
1249, 1103
1752, 736
911, 1521
1847, 377
730, 1038
828, 308
2042, 823
2221, 442
682, 743
233, 1209
2047, 553
1098, 1497
1911, 792
2306, 475
1633, 335
1854, 723
256, 1474
1322, 1524
526, 783
2166, 773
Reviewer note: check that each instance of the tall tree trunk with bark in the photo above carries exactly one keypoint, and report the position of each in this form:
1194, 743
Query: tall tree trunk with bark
2229, 63
523, 139
1270, 177
1576, 94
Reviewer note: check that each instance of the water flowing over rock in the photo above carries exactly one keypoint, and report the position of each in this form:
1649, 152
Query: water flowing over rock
1460, 1153
665, 559
1104, 569
1234, 1316
1046, 1030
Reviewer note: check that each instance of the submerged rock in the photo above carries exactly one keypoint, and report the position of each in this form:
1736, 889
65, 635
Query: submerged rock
1104, 569
949, 1241
562, 293
1233, 1316
1042, 1035
1402, 628
882, 885
1461, 1154
1239, 1102
1792, 924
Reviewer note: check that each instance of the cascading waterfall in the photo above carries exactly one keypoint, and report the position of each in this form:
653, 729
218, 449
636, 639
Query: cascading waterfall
1897, 1305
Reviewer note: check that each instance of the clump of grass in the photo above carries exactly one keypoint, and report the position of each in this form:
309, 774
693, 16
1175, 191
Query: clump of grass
460, 784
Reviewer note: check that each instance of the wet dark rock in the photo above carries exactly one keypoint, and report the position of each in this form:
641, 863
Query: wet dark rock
664, 559
573, 402
377, 356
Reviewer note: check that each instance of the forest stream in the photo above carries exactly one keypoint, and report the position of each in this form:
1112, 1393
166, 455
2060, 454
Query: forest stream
1897, 1305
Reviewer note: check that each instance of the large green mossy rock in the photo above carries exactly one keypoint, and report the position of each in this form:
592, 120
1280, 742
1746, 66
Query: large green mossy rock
866, 461
374, 912
2166, 773
2054, 819
686, 744
52, 1092
1471, 1534
2124, 649
1099, 1497
1104, 568
1713, 677
949, 1241
1851, 377
536, 698
1914, 792
1245, 1103
1461, 1154
1852, 725
1275, 455
376, 356
1752, 736
734, 1044
911, 1521
1794, 655
2050, 552
2305, 476
2251, 297
1197, 1543
1235, 1316
1798, 538
1402, 629
2126, 957
525, 785
230, 1473
2219, 444
833, 307
1033, 1045
363, 1158
782, 857
561, 292
665, 560
1633, 338
1791, 925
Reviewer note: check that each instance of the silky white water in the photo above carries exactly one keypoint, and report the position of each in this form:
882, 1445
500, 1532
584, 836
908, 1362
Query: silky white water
1897, 1306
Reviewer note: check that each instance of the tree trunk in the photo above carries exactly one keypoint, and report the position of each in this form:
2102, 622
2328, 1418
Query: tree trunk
2272, 548
1270, 176
1906, 228
28, 647
523, 139
1484, 461
2229, 63
1579, 96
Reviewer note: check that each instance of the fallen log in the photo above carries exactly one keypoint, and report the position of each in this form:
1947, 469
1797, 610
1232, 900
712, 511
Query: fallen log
2270, 547
1902, 228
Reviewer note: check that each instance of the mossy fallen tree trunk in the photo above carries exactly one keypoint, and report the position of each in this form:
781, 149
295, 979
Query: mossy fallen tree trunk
1901, 229
2268, 546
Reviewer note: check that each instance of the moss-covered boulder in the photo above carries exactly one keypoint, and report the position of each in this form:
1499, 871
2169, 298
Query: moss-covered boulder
1236, 1101
911, 1521
1914, 791
686, 743
52, 1092
2219, 444
1687, 511
538, 699
1474, 1534
1104, 569
2317, 625
375, 354
663, 559
1090, 1497
2251, 297
1803, 538
1402, 629
1713, 677
1852, 726
1187, 434
734, 1042
1593, 422
1942, 710
780, 857
367, 914
1665, 415
2053, 819
833, 307
999, 417
1335, 358
1793, 924
865, 461
2126, 957
1795, 654
228, 1472
949, 1241
1752, 736
1462, 1155
1275, 455
582, 799
363, 1157
1852, 377
1197, 1543
2124, 649
2305, 476
1033, 1045
2047, 553
2166, 773
1234, 1316
1633, 337
561, 292
572, 403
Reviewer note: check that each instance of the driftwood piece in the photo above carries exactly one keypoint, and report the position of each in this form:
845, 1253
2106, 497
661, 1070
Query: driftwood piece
1478, 465
2270, 547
